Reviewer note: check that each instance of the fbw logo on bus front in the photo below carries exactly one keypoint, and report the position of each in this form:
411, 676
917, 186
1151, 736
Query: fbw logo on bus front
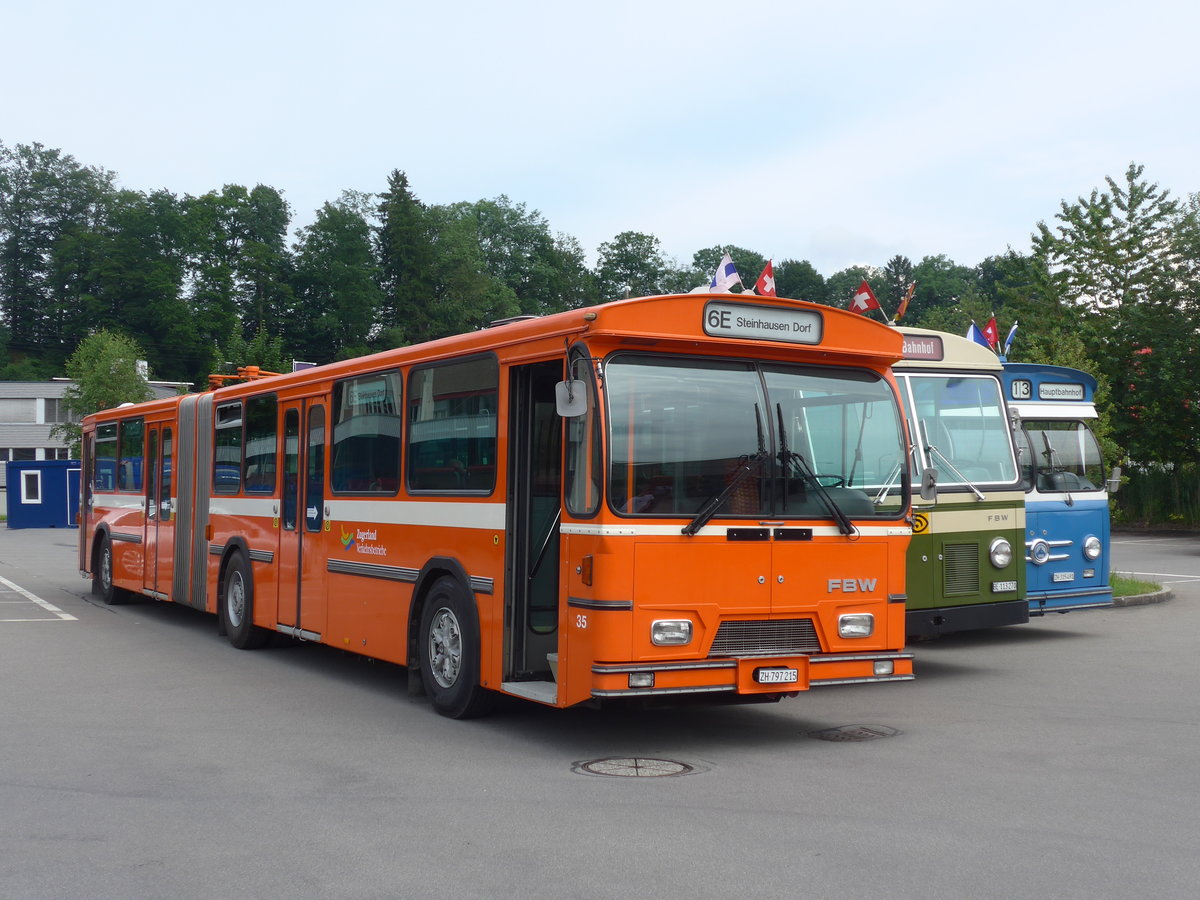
851, 585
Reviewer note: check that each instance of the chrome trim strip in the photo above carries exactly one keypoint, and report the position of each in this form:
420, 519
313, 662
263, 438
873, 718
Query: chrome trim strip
651, 692
603, 669
372, 570
481, 585
812, 683
585, 603
128, 538
216, 549
263, 556
859, 657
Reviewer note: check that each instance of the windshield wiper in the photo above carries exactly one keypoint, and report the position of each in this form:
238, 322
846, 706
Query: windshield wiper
930, 448
746, 466
790, 459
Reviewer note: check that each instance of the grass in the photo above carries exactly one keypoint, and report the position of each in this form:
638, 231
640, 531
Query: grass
1127, 587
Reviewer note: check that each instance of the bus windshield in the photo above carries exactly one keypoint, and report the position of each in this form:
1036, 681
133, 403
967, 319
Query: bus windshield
1059, 456
963, 429
681, 431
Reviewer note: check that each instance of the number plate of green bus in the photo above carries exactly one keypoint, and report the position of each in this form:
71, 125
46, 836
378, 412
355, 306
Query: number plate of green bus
776, 676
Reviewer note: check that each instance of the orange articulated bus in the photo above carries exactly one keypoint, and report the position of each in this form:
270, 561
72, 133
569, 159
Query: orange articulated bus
652, 498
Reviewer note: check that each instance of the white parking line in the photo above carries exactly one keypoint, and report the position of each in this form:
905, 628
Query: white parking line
33, 598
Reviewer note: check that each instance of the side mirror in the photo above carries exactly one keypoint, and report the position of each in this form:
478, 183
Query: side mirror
929, 484
1114, 480
570, 398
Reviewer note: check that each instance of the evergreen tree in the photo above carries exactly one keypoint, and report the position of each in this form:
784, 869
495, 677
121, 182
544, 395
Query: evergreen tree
406, 260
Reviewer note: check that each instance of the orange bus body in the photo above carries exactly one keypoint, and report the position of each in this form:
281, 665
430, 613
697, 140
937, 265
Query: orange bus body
493, 553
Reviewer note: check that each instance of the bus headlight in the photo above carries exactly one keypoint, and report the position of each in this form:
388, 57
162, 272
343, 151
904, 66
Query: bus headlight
1091, 546
1000, 553
858, 625
670, 632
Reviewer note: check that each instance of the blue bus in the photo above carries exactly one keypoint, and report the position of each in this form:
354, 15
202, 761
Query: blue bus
1066, 493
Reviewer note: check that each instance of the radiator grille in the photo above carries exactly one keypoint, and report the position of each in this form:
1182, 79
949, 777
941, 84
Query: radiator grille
765, 636
962, 568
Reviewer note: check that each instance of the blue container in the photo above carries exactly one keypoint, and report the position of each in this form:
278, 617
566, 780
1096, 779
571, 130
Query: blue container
43, 493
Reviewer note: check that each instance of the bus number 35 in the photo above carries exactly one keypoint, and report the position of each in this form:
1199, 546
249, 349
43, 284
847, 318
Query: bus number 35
581, 621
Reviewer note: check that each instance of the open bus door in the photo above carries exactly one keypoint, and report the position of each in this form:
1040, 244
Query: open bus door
531, 622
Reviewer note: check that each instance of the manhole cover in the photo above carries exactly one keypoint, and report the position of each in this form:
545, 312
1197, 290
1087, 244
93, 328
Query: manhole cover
633, 767
854, 733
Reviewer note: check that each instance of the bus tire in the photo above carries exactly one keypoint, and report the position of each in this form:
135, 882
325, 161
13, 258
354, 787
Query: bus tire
449, 652
102, 581
237, 605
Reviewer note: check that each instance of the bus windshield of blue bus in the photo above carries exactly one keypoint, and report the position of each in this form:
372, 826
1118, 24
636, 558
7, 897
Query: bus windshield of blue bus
1059, 456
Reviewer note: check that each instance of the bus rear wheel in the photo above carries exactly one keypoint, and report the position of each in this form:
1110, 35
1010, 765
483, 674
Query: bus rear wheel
237, 605
449, 649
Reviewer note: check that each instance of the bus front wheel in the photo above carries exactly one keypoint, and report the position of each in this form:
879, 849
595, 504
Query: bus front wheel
449, 645
102, 581
237, 605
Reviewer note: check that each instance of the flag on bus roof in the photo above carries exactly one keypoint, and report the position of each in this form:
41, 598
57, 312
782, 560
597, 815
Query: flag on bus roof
974, 334
765, 286
1012, 333
991, 331
864, 300
726, 277
903, 307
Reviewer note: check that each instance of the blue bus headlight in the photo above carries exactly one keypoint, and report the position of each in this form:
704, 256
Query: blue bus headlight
1091, 546
1000, 553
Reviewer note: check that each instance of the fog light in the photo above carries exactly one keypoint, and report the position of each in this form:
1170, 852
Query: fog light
670, 632
641, 679
1000, 553
884, 667
859, 625
1091, 547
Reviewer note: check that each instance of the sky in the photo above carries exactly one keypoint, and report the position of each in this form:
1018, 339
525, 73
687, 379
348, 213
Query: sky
842, 134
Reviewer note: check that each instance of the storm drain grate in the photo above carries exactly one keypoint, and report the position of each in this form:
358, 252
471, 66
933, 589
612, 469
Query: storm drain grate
854, 733
633, 767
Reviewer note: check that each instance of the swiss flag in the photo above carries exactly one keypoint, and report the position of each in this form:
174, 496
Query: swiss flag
864, 300
992, 332
765, 286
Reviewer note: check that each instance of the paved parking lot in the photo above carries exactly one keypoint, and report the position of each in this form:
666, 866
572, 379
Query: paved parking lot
142, 756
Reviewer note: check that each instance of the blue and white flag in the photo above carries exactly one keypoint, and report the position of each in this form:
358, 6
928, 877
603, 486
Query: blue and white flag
726, 277
1012, 333
974, 334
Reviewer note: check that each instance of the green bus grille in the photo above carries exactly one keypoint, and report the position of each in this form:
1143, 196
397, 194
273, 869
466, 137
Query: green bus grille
962, 568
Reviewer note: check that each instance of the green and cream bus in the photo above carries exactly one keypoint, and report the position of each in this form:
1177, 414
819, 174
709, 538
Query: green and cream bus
965, 568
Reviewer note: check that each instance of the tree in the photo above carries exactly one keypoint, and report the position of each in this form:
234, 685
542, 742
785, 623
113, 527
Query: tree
45, 197
335, 309
632, 264
897, 276
799, 280
104, 374
545, 273
264, 350
406, 261
1115, 261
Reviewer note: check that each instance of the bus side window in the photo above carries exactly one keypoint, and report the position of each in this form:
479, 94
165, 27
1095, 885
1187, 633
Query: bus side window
452, 426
